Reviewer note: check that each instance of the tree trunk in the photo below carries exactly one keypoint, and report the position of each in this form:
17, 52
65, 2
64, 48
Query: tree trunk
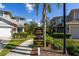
44, 30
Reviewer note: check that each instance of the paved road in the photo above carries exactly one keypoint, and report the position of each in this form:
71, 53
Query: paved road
23, 50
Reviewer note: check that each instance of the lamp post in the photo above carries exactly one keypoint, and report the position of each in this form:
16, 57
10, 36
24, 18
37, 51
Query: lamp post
64, 17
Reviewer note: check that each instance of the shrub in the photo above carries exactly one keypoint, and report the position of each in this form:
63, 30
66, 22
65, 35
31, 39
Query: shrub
72, 46
20, 35
60, 35
49, 40
73, 50
58, 44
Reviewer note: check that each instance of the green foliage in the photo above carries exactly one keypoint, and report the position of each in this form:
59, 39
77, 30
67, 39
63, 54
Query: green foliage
73, 50
49, 8
58, 44
49, 40
72, 45
60, 35
32, 26
20, 35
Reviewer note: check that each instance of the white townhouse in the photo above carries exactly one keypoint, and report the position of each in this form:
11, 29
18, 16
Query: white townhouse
10, 24
72, 23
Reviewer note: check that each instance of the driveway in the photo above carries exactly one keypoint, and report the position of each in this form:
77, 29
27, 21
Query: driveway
23, 50
3, 42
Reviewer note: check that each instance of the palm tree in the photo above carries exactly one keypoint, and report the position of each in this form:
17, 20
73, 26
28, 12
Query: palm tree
46, 9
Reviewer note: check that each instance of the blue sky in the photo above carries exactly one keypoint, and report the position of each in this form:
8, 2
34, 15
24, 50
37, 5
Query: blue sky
26, 10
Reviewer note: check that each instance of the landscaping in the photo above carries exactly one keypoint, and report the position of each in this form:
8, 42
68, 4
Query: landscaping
60, 35
12, 44
72, 46
20, 35
56, 42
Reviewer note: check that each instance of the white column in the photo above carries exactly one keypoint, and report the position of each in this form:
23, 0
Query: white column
23, 29
3, 15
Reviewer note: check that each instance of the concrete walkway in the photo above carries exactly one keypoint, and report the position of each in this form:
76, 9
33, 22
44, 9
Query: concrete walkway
23, 50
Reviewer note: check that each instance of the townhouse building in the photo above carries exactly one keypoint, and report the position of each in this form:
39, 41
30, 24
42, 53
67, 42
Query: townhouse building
10, 24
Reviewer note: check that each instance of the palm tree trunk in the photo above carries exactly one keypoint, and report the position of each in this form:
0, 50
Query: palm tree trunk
44, 29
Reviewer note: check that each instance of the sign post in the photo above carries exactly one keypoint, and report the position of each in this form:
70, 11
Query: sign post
38, 51
39, 40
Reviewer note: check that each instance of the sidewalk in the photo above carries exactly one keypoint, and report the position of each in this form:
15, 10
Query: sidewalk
23, 50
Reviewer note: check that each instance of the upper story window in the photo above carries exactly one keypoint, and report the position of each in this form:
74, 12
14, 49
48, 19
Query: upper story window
0, 19
17, 19
60, 20
77, 15
1, 13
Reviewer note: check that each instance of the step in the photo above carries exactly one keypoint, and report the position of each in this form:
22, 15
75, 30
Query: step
21, 51
23, 48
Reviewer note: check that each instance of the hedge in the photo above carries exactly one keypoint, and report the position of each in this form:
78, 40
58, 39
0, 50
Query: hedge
73, 50
60, 35
20, 35
72, 46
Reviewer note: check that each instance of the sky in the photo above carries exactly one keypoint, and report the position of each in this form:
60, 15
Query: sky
28, 12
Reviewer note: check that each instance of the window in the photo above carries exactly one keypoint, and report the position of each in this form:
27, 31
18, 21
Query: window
19, 29
77, 16
1, 13
0, 19
17, 19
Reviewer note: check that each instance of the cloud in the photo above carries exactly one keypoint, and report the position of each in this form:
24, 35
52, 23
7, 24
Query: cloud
28, 20
2, 6
30, 7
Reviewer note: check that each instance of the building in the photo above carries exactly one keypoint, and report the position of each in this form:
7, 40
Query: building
72, 23
10, 24
57, 24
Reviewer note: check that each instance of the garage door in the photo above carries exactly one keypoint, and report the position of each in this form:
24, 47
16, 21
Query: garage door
5, 32
75, 32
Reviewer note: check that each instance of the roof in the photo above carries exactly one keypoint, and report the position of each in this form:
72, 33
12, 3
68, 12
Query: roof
77, 10
6, 12
21, 18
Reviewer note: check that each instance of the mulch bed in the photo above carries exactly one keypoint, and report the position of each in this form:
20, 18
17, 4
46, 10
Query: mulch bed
47, 52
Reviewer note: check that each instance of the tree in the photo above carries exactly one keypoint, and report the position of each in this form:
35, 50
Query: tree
29, 27
46, 9
32, 25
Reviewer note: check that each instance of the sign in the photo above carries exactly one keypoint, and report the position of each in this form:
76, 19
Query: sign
38, 31
39, 40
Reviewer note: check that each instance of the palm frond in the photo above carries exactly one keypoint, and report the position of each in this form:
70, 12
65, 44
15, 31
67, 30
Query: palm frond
49, 8
59, 5
37, 8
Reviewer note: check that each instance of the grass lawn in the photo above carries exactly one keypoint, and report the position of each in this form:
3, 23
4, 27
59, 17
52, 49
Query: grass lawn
12, 44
